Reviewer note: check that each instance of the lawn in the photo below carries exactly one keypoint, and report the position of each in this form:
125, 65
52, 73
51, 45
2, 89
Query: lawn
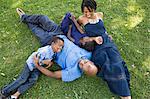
128, 21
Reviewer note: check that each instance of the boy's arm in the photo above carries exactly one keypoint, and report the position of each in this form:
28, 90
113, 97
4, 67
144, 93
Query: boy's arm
41, 55
56, 74
76, 24
69, 34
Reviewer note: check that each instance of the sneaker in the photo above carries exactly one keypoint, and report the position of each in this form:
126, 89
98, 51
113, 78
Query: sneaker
2, 96
20, 12
11, 97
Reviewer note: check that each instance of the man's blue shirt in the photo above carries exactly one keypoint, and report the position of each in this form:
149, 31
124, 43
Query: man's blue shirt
69, 58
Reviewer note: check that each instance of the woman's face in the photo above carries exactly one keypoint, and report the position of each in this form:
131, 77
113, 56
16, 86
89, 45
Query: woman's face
88, 13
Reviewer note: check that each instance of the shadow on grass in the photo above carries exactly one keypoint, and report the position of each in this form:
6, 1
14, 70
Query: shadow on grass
128, 23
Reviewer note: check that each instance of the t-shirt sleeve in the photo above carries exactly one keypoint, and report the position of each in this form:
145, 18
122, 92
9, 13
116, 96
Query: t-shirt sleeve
41, 57
70, 74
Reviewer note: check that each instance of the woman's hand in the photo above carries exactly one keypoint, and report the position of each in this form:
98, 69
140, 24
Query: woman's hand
99, 40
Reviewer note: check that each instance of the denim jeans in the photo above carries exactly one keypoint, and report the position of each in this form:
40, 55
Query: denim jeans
42, 27
26, 80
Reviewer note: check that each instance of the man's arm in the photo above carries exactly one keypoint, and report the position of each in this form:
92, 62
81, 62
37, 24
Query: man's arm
98, 40
56, 74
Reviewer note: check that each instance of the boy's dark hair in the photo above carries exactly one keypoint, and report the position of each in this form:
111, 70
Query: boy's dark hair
89, 46
55, 40
90, 4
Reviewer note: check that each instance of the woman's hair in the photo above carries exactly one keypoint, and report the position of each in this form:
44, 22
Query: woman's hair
90, 4
55, 40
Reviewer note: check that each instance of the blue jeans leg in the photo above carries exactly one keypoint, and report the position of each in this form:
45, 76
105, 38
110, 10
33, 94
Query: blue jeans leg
42, 27
30, 82
43, 36
41, 20
15, 84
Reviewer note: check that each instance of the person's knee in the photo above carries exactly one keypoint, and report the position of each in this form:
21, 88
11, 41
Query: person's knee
128, 97
44, 18
33, 80
21, 80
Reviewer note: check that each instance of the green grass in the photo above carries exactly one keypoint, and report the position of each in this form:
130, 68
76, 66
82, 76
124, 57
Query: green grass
128, 21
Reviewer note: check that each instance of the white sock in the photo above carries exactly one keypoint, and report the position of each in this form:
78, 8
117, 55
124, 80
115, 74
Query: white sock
14, 97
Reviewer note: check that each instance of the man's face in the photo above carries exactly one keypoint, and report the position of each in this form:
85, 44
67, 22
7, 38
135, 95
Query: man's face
88, 67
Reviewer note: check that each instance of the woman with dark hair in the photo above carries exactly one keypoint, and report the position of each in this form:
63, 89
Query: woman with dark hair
74, 33
106, 56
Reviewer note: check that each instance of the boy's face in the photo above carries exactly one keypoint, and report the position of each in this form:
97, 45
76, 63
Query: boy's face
57, 46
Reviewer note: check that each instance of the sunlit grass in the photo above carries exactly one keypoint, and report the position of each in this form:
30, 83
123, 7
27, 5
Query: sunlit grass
16, 3
136, 14
128, 21
146, 63
134, 21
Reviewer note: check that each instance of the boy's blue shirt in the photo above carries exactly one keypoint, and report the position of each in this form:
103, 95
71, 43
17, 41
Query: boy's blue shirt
44, 53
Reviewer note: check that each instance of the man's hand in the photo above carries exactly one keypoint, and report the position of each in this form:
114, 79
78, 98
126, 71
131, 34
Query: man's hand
99, 40
46, 62
49, 65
